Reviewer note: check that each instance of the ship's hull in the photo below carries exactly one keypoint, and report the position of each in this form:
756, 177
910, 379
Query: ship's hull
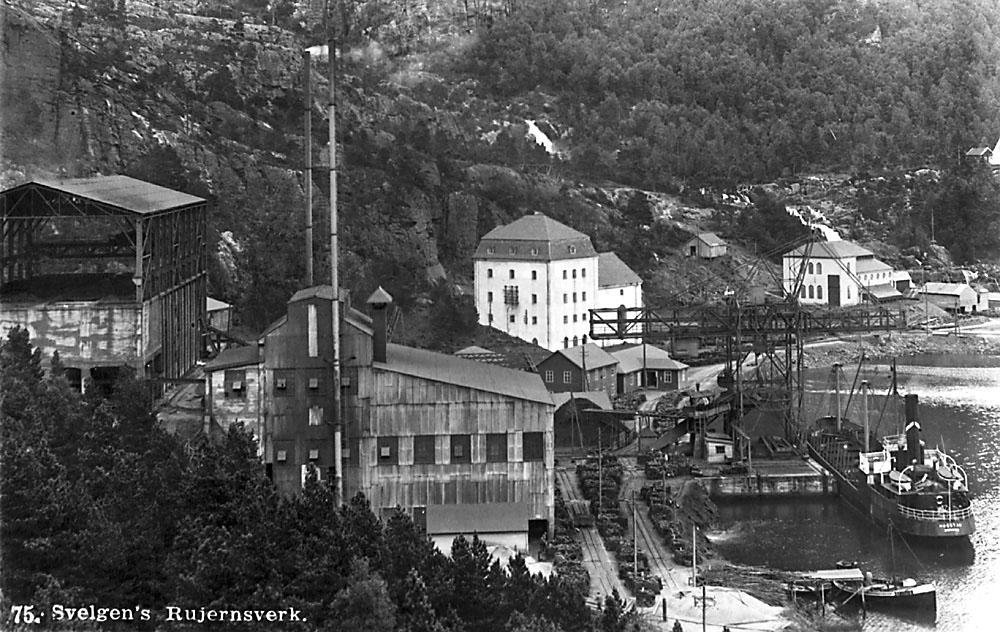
887, 511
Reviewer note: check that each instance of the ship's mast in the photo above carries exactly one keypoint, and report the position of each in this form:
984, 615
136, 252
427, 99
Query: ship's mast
836, 390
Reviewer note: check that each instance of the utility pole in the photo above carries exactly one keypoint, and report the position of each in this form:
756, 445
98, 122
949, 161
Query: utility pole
307, 89
635, 546
338, 466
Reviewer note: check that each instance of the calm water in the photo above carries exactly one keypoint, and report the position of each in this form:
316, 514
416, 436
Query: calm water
959, 408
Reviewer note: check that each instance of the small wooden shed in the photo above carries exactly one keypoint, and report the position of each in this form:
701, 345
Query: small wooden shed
705, 246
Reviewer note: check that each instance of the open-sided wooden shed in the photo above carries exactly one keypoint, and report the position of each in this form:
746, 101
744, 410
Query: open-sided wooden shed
108, 270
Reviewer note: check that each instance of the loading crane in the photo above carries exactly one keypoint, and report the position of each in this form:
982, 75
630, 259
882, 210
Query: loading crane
774, 330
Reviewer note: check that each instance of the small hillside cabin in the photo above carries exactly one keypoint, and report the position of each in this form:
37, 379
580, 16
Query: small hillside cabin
661, 371
705, 246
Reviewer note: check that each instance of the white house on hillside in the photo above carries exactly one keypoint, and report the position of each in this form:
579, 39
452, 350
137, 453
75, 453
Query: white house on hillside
837, 273
537, 279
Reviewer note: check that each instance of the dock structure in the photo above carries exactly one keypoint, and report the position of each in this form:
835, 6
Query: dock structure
773, 478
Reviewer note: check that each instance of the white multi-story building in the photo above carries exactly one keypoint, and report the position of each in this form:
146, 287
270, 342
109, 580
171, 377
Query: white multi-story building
837, 273
537, 279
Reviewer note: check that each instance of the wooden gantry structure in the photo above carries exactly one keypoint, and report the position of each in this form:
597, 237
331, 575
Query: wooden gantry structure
109, 271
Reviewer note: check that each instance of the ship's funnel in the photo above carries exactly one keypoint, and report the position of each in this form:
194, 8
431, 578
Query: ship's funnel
913, 448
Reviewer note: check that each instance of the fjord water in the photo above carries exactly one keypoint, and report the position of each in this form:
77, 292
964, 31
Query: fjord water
959, 409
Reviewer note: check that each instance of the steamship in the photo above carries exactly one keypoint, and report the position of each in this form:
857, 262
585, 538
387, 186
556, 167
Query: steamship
896, 480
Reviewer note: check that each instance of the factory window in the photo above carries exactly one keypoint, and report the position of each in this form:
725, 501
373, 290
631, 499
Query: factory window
423, 449
565, 298
810, 267
574, 273
512, 274
574, 318
583, 316
489, 297
388, 450
513, 318
236, 384
315, 415
819, 268
489, 273
284, 384
510, 295
565, 320
533, 444
534, 273
461, 448
534, 321
550, 376
314, 384
496, 447
819, 291
567, 377
812, 292
534, 299
574, 297
584, 297
313, 331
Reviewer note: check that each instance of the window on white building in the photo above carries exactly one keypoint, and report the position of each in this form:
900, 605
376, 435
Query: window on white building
566, 343
819, 291
574, 297
574, 318
810, 267
812, 292
583, 297
534, 275
576, 341
584, 315
802, 292
489, 297
583, 272
513, 318
574, 273
564, 274
511, 274
565, 298
819, 267
489, 273
848, 291
534, 299
534, 321
565, 319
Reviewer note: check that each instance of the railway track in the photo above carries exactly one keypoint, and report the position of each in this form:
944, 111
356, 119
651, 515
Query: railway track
600, 565
660, 559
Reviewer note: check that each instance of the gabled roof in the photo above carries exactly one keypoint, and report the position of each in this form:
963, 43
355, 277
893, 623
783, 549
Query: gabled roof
612, 271
123, 192
599, 398
324, 292
590, 354
948, 289
447, 369
534, 237
830, 250
710, 239
884, 292
631, 359
872, 265
214, 304
979, 151
234, 357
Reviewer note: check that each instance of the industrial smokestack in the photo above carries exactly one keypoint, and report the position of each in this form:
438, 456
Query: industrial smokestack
913, 447
380, 300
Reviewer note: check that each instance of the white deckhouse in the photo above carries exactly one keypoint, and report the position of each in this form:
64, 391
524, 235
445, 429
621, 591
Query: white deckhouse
536, 279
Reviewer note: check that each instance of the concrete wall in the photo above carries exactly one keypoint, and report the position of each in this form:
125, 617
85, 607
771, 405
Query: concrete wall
228, 406
86, 334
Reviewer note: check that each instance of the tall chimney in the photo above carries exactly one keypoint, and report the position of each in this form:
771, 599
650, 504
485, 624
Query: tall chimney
913, 449
380, 300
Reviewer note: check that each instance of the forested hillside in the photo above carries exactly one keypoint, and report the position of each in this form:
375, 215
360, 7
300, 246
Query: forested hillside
724, 91
625, 120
